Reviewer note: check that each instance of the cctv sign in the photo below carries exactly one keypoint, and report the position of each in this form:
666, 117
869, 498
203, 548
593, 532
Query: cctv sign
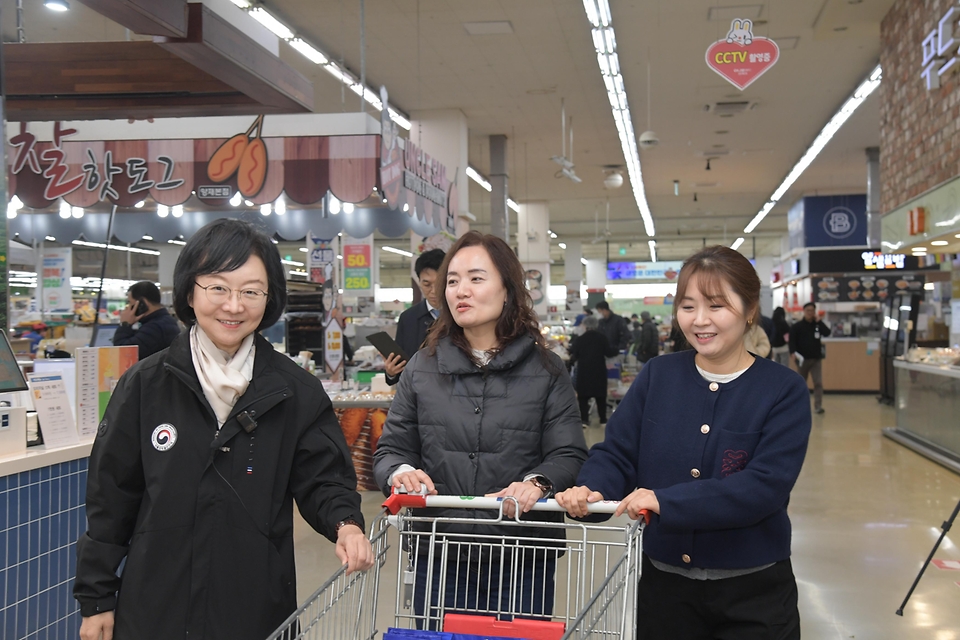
742, 57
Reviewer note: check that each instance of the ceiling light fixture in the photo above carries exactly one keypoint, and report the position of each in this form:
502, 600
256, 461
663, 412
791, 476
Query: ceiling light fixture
163, 210
280, 206
399, 252
475, 175
177, 210
100, 245
348, 207
653, 250
583, 261
676, 187
140, 204
318, 57
939, 243
736, 243
562, 245
266, 209
57, 5
49, 238
333, 205
64, 209
292, 263
829, 130
76, 212
605, 43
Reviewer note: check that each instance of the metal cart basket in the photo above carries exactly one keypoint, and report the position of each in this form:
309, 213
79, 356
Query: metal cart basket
503, 577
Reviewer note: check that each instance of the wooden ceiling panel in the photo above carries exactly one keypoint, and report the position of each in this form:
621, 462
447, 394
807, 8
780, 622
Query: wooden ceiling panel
149, 17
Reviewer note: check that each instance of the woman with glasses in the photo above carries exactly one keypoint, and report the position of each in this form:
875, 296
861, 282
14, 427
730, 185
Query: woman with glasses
198, 459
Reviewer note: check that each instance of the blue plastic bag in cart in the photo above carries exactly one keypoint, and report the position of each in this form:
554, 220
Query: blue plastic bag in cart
416, 634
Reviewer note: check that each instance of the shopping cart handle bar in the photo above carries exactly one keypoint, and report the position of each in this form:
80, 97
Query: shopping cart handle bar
398, 501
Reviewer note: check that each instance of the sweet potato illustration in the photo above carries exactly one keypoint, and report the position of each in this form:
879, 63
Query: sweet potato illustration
351, 423
227, 157
253, 168
377, 418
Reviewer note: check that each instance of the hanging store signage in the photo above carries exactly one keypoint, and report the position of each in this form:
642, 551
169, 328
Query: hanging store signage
333, 344
57, 270
742, 57
358, 266
668, 270
916, 221
864, 288
940, 49
413, 181
321, 258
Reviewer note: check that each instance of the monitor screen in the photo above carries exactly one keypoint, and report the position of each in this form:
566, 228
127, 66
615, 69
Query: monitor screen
105, 335
11, 378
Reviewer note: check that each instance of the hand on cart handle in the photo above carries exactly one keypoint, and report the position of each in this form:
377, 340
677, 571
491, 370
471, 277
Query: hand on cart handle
413, 482
353, 549
524, 494
580, 501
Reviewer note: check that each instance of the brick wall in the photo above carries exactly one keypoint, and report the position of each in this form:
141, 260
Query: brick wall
919, 136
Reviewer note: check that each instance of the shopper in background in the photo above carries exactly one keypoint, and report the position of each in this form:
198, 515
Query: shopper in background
614, 327
756, 341
176, 487
485, 409
589, 353
649, 339
413, 323
805, 338
779, 343
710, 442
157, 327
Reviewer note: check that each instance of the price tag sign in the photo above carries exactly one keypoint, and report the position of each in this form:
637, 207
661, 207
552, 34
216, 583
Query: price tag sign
358, 266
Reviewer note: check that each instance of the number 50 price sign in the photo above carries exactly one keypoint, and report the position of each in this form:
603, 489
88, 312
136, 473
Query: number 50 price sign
358, 266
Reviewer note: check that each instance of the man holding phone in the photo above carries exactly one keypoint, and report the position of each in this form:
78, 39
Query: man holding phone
413, 323
157, 327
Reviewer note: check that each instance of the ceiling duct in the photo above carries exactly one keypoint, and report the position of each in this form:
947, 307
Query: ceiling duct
729, 108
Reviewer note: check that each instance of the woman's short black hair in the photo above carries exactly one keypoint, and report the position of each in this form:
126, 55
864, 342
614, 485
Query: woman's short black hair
226, 245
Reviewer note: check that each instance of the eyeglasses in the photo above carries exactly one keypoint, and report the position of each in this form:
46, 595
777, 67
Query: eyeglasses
219, 294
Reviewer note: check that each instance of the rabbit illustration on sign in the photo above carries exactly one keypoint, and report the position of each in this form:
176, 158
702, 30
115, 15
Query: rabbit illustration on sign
741, 32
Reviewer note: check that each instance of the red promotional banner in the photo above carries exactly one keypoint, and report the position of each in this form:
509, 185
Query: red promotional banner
742, 57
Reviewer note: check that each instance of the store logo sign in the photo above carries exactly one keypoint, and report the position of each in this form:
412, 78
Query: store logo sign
940, 55
839, 223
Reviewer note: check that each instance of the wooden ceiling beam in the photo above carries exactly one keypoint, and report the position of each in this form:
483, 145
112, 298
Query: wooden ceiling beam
223, 51
148, 17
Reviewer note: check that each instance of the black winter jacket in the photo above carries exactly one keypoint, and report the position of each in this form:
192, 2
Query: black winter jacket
474, 431
590, 352
205, 521
157, 330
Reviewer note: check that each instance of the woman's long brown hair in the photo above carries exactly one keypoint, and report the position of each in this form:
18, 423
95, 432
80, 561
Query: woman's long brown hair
518, 317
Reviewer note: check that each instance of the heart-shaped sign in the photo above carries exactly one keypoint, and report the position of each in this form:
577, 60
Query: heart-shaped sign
741, 57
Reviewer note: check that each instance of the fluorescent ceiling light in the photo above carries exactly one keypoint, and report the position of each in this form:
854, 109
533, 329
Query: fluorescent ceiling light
147, 238
280, 206
333, 206
100, 245
177, 210
308, 51
513, 205
399, 252
399, 119
49, 238
479, 179
348, 207
292, 263
163, 210
64, 209
140, 204
939, 243
562, 245
265, 18
736, 243
605, 43
303, 249
583, 260
57, 5
653, 250
826, 134
76, 212
266, 209
177, 242
243, 4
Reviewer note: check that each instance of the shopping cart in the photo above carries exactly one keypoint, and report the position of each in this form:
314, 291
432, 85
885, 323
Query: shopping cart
455, 576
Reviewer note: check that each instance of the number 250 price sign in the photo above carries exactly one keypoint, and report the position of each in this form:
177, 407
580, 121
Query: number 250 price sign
358, 267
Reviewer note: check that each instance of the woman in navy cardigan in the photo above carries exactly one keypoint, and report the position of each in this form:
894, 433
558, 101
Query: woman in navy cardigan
710, 441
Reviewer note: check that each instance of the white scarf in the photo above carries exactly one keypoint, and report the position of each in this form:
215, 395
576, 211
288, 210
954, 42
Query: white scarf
223, 377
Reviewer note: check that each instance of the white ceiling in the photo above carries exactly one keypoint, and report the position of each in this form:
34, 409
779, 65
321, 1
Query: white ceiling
512, 84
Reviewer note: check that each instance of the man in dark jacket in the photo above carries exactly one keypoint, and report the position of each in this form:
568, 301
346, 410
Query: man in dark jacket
614, 327
413, 323
649, 339
805, 340
157, 327
589, 352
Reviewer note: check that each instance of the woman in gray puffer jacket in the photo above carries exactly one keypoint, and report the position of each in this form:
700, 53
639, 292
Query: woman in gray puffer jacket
485, 409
